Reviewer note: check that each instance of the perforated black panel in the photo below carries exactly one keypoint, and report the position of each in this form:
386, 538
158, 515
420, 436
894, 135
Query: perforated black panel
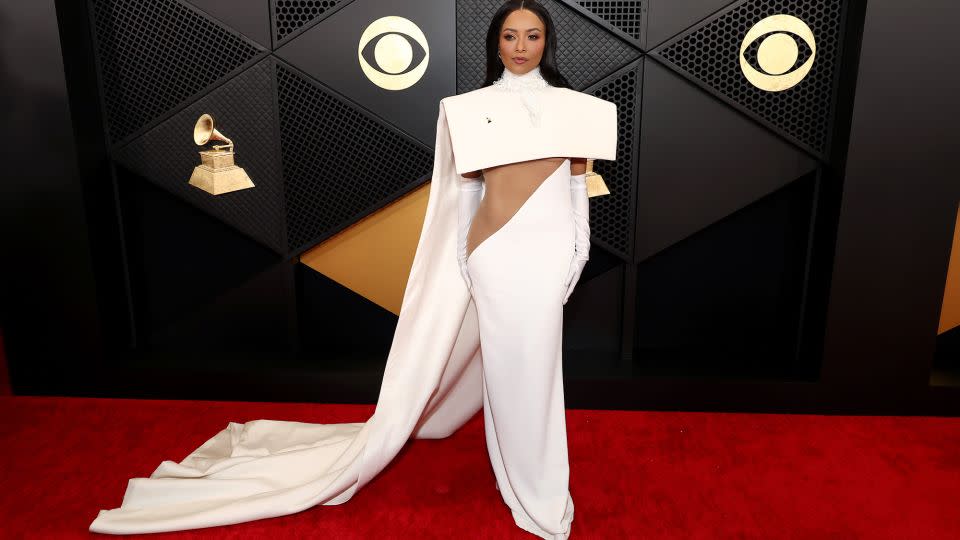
624, 14
154, 54
339, 163
243, 110
710, 53
249, 17
611, 216
290, 15
585, 52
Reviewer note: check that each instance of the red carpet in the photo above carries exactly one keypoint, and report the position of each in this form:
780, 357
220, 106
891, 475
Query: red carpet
633, 474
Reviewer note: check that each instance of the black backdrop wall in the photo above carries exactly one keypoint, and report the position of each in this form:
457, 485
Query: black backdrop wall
759, 250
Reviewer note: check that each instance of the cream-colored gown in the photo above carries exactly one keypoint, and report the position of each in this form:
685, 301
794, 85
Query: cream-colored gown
517, 273
436, 376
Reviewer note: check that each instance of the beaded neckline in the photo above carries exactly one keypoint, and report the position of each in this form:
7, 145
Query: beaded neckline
528, 86
531, 80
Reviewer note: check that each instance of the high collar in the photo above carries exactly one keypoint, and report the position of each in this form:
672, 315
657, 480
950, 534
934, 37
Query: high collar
530, 80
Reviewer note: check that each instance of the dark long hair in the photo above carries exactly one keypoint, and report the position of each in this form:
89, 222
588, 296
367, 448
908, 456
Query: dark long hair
548, 63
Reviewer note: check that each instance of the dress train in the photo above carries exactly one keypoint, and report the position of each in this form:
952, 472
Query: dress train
268, 468
435, 377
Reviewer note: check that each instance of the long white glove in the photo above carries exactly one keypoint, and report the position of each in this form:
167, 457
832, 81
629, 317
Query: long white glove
468, 202
581, 217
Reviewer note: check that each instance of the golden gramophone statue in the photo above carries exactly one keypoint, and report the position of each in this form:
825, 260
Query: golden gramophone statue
595, 184
216, 173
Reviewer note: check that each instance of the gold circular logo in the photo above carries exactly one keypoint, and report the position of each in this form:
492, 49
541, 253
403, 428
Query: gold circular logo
393, 53
778, 52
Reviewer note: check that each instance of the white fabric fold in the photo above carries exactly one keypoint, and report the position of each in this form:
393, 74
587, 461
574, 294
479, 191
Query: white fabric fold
432, 382
268, 468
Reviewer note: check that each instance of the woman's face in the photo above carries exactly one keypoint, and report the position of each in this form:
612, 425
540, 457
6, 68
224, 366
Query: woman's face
521, 41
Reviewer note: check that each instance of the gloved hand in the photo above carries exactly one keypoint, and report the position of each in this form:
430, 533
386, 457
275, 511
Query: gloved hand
581, 217
468, 202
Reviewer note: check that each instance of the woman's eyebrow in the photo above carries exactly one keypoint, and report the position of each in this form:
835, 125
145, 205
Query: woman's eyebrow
528, 29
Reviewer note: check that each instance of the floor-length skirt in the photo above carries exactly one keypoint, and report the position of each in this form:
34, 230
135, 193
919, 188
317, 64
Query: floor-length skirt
517, 275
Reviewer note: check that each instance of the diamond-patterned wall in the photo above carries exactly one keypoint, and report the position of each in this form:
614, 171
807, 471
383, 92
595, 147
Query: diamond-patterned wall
679, 194
153, 55
166, 155
709, 53
318, 52
146, 75
249, 17
291, 15
612, 216
333, 174
626, 15
322, 159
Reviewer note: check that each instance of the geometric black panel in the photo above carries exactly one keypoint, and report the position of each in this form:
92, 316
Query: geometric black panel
473, 18
667, 18
243, 108
946, 359
592, 323
611, 216
701, 160
154, 54
249, 17
729, 299
246, 323
290, 15
586, 52
339, 163
601, 261
179, 257
317, 50
627, 16
710, 55
339, 329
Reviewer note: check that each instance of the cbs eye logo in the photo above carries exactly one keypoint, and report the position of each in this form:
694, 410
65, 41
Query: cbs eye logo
777, 52
398, 49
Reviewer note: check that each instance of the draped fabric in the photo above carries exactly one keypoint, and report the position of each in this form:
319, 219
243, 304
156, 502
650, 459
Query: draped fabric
432, 383
267, 468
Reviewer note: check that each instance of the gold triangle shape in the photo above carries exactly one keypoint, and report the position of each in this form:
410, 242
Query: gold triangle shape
373, 257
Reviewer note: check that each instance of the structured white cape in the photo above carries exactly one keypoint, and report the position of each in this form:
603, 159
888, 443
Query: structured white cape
432, 381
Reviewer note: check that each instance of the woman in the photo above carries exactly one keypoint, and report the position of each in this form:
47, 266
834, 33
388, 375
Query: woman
521, 251
479, 324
